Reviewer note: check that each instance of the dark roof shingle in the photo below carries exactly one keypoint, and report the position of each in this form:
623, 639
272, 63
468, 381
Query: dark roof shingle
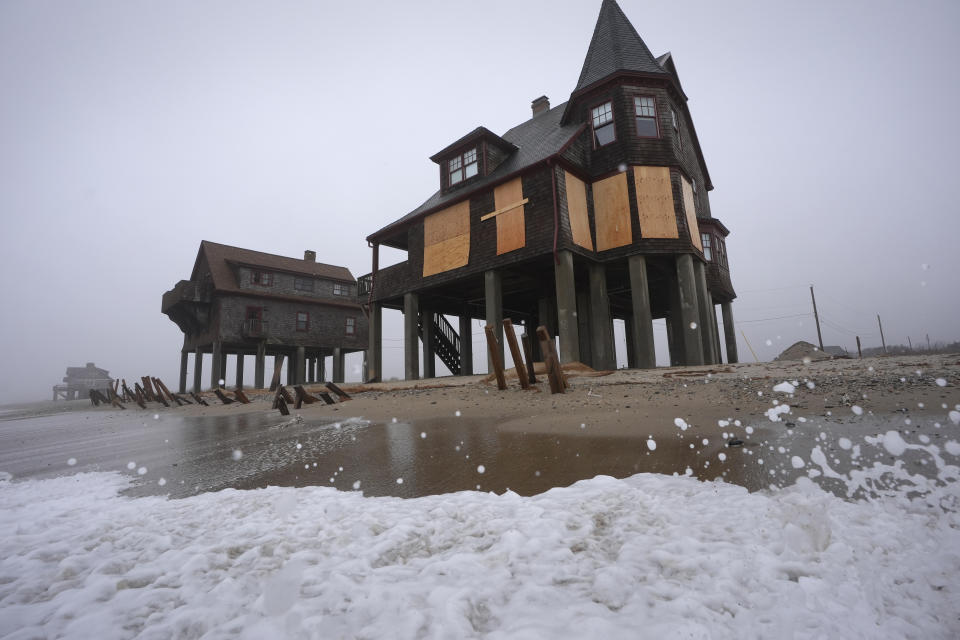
615, 46
220, 256
536, 140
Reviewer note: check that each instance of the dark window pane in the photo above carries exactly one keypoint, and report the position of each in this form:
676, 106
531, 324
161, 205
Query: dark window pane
647, 127
604, 134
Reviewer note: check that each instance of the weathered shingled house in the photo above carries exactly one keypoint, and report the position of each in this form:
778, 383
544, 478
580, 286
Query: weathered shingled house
592, 210
241, 302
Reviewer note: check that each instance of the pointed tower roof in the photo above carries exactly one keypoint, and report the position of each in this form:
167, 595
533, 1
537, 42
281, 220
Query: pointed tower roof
615, 46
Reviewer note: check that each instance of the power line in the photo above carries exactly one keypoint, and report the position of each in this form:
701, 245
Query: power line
796, 315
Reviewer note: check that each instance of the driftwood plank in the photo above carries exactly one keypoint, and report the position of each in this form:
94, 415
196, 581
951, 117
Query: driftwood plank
223, 398
326, 398
199, 399
241, 396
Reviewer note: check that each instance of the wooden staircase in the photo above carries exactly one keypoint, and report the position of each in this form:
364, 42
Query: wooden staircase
445, 343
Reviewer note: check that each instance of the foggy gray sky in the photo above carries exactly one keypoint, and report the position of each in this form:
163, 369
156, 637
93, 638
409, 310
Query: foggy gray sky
131, 131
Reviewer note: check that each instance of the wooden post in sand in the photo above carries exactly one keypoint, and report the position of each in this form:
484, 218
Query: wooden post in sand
337, 390
277, 365
550, 359
518, 363
859, 352
528, 356
494, 350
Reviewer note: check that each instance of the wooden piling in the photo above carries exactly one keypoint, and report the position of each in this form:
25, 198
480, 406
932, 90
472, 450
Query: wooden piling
528, 356
518, 363
241, 396
495, 358
550, 359
223, 397
277, 365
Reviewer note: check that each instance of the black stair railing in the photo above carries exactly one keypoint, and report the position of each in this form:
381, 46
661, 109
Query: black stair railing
445, 342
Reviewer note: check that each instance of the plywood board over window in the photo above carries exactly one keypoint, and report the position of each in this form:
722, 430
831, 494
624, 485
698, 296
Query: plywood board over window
446, 239
691, 209
611, 209
577, 210
511, 233
655, 209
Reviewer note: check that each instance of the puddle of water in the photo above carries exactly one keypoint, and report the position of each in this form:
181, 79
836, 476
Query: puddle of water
184, 456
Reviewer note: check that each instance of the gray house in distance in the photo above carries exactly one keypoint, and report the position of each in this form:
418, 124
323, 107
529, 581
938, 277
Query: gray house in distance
592, 210
244, 302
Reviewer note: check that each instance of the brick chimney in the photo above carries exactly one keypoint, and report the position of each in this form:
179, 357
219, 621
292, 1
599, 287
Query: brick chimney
310, 256
540, 105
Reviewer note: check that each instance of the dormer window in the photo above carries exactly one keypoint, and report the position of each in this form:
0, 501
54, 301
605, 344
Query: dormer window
262, 278
601, 118
646, 108
463, 166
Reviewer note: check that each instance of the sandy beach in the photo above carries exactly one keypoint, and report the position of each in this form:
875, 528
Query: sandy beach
621, 402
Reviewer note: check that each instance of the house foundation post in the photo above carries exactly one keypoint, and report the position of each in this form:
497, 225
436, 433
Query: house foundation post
567, 308
338, 364
631, 344
466, 345
374, 370
493, 308
601, 324
690, 328
704, 307
427, 331
583, 327
239, 370
322, 369
197, 369
182, 387
259, 365
411, 355
729, 332
216, 370
640, 325
300, 366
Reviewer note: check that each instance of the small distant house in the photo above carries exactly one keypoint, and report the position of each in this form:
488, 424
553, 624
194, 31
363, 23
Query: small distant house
241, 302
591, 210
80, 380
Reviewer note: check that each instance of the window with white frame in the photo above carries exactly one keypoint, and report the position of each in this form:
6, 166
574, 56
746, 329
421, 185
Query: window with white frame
351, 326
705, 240
601, 119
463, 167
646, 109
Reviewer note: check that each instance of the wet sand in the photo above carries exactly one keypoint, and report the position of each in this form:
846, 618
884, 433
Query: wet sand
452, 434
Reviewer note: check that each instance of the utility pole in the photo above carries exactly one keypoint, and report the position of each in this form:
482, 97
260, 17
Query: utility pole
882, 341
928, 342
816, 318
909, 344
859, 352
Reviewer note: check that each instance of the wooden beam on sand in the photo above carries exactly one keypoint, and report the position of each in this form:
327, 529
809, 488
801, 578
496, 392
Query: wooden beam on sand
198, 398
302, 396
495, 358
223, 397
279, 402
550, 359
326, 398
241, 396
162, 388
148, 393
518, 363
337, 390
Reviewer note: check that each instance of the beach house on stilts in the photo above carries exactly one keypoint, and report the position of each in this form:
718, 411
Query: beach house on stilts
592, 210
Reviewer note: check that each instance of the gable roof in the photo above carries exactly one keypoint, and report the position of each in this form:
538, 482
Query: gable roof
220, 257
478, 134
615, 46
535, 140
